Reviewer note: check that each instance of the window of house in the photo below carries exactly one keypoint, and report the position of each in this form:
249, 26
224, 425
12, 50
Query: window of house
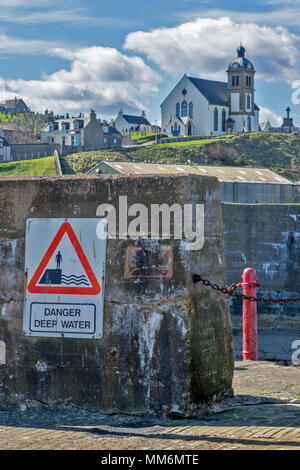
216, 118
105, 130
105, 140
76, 126
177, 110
72, 140
115, 141
184, 109
223, 120
63, 141
191, 109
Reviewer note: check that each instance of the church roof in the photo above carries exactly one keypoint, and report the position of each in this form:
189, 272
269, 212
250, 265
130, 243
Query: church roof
214, 92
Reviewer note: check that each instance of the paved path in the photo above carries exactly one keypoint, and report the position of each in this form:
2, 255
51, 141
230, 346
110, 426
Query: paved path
265, 414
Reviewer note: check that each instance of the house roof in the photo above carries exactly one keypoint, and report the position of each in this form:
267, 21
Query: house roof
12, 103
215, 92
223, 173
136, 119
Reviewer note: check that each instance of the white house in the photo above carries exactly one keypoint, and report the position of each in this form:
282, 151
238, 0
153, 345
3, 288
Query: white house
127, 123
207, 107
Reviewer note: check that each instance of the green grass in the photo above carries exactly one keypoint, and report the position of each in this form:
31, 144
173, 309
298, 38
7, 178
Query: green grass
39, 166
200, 142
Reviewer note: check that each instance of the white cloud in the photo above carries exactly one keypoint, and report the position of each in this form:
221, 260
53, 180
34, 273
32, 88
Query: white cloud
203, 47
15, 45
267, 114
99, 77
286, 16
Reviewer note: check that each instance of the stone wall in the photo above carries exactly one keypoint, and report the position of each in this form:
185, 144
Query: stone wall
266, 237
22, 151
167, 343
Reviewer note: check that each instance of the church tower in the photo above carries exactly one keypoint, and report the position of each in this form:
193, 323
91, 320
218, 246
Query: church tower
241, 91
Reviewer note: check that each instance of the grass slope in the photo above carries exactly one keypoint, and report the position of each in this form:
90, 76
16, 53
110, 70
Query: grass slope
279, 152
39, 166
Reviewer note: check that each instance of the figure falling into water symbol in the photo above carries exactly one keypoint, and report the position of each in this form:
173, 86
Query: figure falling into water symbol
58, 260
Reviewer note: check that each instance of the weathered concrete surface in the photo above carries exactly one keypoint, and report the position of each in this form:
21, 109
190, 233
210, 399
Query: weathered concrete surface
167, 343
266, 237
265, 414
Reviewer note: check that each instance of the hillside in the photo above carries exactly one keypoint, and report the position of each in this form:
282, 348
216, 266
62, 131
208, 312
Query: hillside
278, 152
39, 166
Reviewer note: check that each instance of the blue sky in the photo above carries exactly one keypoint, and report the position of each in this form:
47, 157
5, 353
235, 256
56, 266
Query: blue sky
73, 55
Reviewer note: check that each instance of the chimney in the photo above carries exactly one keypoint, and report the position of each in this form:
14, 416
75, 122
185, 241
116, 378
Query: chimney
143, 114
93, 115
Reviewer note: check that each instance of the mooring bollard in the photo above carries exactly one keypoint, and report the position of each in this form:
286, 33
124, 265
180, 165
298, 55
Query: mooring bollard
249, 315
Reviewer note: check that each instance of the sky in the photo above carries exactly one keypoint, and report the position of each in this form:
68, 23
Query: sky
75, 55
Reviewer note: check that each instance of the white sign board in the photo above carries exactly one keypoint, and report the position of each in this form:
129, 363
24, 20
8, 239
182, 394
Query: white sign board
65, 270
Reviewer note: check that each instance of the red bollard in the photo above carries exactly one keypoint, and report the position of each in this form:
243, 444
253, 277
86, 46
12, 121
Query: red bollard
249, 316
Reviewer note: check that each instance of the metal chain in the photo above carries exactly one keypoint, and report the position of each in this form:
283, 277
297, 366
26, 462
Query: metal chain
230, 291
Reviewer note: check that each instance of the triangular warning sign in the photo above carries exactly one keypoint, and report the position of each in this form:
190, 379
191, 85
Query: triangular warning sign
56, 281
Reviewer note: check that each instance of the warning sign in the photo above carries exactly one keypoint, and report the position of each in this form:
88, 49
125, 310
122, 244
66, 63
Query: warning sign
65, 267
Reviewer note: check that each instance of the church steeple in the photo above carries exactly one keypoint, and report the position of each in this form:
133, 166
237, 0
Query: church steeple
241, 51
241, 85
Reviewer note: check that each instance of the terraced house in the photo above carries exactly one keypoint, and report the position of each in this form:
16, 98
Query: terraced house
82, 133
206, 107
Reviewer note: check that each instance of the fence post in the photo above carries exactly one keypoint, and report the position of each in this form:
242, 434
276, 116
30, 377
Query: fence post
250, 352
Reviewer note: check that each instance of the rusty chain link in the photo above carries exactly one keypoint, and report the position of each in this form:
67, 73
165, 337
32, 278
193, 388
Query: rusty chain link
233, 287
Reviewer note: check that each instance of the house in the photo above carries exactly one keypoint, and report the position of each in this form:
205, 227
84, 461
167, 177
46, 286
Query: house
206, 107
112, 138
265, 126
14, 133
5, 154
287, 126
237, 184
16, 105
81, 132
126, 123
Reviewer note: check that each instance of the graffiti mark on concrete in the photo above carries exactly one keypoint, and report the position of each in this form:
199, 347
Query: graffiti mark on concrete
149, 262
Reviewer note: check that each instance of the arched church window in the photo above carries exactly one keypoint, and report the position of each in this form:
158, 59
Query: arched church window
177, 110
249, 124
223, 120
248, 101
184, 109
175, 126
233, 81
250, 81
178, 129
216, 119
237, 81
191, 109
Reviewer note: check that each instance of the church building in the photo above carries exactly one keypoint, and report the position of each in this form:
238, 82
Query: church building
207, 107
